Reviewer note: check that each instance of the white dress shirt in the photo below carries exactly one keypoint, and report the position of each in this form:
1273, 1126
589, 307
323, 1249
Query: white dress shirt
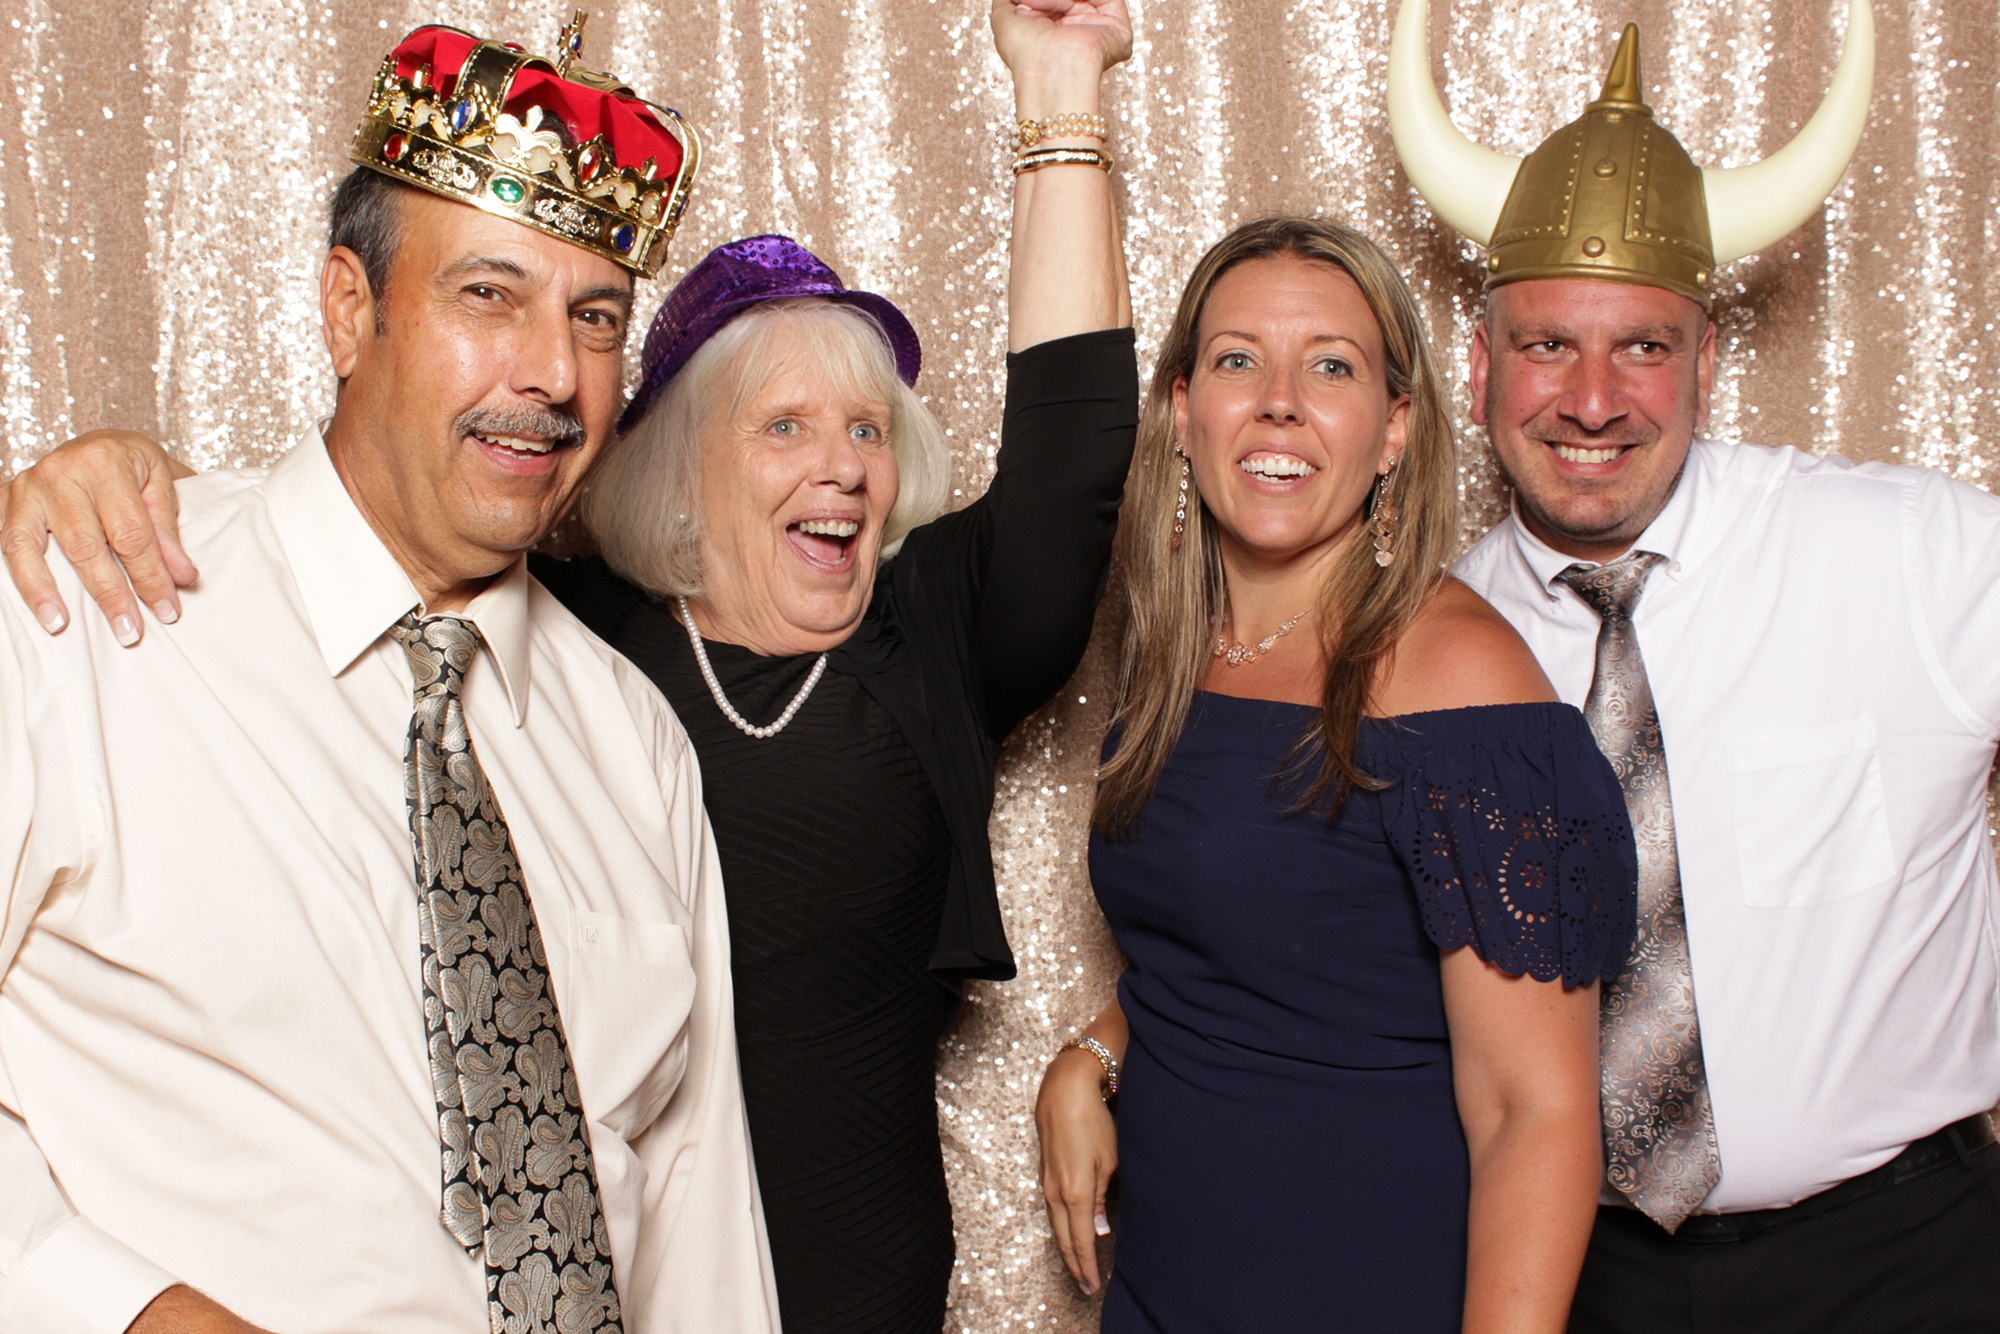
212, 1048
1824, 651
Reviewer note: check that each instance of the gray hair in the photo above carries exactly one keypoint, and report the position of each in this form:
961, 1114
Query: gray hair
643, 501
366, 216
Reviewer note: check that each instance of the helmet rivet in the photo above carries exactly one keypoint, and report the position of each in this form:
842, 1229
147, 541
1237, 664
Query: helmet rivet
1594, 246
1605, 167
1701, 277
1493, 263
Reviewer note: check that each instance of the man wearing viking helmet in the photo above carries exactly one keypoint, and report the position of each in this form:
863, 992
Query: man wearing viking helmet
1794, 664
364, 957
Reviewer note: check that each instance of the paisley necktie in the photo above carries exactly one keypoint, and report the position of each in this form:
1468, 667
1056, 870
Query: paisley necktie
520, 1187
1659, 1130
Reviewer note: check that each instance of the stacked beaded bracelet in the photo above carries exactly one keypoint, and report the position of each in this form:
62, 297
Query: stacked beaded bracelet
1070, 124
1104, 1058
1036, 159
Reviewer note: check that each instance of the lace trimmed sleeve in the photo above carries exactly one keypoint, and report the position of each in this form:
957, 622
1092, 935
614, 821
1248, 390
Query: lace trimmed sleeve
1513, 829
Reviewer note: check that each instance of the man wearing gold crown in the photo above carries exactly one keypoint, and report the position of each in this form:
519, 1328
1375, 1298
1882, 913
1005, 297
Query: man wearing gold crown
1794, 664
248, 1079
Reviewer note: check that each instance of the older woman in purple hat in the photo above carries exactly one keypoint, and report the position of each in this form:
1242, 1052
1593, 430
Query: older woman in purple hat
847, 707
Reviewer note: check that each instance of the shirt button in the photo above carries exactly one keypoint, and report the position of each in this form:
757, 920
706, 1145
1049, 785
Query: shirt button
1675, 568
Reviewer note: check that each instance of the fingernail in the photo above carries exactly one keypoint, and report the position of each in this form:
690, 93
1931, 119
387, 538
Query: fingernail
1089, 1289
166, 611
52, 618
1101, 1224
126, 629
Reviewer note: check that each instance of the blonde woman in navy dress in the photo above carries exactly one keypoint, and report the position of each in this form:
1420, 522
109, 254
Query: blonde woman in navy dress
1366, 872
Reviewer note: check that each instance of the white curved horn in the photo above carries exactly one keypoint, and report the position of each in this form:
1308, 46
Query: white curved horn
1465, 184
1750, 207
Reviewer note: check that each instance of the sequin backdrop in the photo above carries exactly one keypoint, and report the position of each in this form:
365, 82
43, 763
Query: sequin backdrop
163, 169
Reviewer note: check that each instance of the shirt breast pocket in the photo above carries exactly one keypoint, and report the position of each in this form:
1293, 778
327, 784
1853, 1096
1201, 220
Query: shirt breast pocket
631, 987
1811, 823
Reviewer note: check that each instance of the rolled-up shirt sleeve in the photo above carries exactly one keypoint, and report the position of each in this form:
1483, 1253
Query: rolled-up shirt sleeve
703, 1263
58, 1270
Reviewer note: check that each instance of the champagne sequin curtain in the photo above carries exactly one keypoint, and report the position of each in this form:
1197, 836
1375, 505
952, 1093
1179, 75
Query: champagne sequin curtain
164, 167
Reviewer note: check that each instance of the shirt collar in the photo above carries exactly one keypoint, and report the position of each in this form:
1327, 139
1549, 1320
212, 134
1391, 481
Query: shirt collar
1668, 535
353, 589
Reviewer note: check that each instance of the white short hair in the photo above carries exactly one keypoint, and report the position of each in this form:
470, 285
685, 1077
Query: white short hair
643, 500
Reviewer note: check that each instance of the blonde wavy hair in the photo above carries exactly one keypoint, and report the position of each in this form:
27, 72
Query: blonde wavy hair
1177, 598
642, 506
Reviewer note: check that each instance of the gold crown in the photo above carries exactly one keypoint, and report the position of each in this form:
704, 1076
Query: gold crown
439, 118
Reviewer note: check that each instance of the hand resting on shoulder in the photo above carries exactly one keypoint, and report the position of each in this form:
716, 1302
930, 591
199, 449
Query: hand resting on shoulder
108, 500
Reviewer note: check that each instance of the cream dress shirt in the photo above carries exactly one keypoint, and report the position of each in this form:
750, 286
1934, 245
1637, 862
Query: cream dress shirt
212, 1050
1824, 651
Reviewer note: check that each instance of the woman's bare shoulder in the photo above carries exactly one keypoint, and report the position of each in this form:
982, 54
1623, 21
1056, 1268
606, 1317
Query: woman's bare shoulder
1457, 654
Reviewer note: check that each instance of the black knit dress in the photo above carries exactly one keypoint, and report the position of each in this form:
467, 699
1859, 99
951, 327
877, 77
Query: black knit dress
853, 844
834, 852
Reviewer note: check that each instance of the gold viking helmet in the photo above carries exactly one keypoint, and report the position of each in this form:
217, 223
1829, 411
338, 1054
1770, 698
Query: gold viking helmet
1612, 194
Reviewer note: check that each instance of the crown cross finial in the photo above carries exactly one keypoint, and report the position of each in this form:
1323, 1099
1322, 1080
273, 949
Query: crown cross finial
569, 42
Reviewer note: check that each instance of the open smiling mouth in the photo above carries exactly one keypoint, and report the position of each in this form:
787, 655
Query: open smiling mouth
519, 447
826, 543
1276, 467
1588, 453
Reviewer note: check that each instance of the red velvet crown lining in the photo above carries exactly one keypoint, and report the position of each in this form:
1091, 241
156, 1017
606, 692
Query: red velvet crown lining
627, 126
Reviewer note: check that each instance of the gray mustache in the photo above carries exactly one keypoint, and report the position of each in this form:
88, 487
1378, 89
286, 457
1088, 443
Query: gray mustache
554, 424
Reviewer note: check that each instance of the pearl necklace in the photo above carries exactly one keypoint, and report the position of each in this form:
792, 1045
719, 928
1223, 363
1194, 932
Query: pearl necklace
1236, 655
722, 701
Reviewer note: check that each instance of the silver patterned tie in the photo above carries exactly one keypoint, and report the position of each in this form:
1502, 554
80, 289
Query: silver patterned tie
1659, 1130
519, 1183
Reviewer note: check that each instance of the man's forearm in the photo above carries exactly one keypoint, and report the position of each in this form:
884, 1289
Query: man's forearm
182, 1310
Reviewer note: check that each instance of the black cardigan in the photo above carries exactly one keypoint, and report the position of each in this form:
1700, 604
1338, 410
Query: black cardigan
983, 614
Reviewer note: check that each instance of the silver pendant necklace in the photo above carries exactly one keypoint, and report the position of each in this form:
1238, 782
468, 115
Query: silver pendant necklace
722, 701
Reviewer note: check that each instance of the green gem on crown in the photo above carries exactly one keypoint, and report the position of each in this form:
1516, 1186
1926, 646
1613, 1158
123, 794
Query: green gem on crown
508, 190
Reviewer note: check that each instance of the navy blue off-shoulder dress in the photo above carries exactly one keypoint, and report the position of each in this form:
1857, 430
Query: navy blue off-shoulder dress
1290, 1156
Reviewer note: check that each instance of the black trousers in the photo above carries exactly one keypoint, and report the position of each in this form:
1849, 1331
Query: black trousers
1919, 1256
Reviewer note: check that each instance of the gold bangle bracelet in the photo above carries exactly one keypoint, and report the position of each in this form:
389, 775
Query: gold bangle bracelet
1109, 1088
1061, 157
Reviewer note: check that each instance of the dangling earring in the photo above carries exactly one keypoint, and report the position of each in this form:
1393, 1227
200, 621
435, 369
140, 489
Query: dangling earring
1382, 518
1180, 509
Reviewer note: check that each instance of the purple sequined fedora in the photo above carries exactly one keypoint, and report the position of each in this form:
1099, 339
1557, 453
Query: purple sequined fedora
733, 277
